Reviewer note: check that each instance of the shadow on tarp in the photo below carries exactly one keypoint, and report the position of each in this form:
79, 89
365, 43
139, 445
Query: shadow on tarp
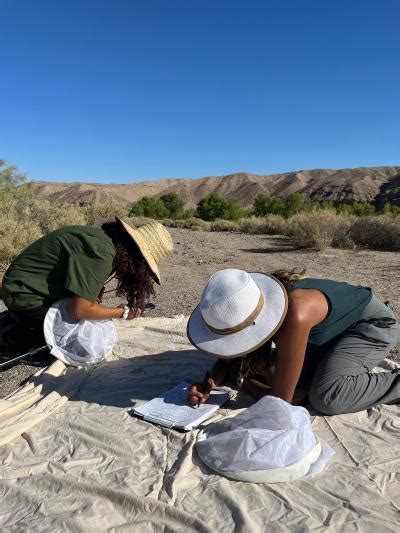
125, 382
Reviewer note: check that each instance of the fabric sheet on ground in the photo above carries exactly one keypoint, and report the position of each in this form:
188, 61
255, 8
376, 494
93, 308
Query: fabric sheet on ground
73, 459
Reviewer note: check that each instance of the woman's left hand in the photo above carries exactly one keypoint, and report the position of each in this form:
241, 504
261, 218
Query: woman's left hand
134, 312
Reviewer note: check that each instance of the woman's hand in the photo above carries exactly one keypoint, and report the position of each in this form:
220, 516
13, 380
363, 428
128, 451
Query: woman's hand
134, 312
198, 393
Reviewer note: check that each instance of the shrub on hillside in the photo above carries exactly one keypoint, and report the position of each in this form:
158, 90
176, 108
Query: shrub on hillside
380, 232
321, 229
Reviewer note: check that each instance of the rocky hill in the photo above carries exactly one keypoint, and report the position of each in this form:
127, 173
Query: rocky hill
367, 184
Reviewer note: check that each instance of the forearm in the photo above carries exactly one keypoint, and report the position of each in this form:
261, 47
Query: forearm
218, 373
84, 310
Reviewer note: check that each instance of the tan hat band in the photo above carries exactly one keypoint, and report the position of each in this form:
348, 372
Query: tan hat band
245, 324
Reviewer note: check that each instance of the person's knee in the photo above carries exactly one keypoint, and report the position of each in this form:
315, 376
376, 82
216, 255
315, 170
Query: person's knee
327, 401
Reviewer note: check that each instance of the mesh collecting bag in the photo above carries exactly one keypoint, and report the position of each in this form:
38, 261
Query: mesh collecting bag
77, 342
271, 441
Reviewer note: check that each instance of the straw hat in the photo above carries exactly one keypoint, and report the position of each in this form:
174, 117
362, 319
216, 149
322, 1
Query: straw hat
238, 312
154, 242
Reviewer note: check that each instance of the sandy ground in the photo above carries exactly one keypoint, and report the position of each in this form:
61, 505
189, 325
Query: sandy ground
199, 254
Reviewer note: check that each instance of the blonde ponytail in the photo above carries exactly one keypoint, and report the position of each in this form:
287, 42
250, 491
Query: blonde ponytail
287, 277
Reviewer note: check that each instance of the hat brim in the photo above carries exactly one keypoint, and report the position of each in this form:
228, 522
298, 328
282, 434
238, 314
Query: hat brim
143, 248
249, 339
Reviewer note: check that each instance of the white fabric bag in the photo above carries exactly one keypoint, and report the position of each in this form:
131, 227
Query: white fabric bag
270, 442
77, 342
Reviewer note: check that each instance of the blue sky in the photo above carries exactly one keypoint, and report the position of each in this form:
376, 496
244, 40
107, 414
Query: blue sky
125, 90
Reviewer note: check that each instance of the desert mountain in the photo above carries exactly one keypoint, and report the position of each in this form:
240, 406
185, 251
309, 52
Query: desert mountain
367, 184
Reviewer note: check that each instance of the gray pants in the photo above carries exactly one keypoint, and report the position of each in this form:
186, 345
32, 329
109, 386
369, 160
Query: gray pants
343, 381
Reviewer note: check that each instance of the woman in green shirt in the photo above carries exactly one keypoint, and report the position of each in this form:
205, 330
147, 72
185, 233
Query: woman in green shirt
331, 334
76, 262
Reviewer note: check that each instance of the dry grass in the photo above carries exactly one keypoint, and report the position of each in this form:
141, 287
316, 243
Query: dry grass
320, 229
97, 214
224, 225
380, 232
195, 224
23, 221
269, 225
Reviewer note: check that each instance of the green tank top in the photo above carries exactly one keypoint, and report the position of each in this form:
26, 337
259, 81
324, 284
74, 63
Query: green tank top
346, 304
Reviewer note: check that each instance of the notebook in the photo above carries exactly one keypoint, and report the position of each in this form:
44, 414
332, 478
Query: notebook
172, 410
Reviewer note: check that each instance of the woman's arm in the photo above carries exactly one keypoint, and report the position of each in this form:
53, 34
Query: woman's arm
84, 309
200, 392
307, 307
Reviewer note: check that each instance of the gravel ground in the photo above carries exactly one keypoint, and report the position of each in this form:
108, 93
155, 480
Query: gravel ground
199, 254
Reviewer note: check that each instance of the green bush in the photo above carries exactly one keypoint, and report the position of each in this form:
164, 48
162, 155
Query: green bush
173, 204
149, 207
356, 208
266, 205
215, 206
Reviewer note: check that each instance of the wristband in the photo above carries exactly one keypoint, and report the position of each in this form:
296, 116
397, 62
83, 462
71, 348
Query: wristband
126, 309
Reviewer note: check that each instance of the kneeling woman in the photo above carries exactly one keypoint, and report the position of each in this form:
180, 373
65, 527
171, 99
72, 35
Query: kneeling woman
333, 332
76, 262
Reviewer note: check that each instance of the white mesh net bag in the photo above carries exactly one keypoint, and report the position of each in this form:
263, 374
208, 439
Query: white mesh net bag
77, 342
270, 442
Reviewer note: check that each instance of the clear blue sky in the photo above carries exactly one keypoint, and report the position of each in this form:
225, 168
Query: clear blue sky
125, 90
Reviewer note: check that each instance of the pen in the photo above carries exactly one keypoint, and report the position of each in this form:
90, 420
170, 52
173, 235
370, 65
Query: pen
198, 403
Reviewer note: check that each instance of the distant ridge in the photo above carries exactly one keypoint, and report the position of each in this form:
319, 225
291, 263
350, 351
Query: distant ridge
375, 185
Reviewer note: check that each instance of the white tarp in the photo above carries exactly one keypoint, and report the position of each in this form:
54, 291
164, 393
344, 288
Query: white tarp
82, 463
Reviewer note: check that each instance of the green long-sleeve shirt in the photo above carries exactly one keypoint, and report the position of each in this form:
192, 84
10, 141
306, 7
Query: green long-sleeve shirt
68, 261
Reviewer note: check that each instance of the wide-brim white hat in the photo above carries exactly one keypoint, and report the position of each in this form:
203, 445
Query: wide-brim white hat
238, 312
154, 242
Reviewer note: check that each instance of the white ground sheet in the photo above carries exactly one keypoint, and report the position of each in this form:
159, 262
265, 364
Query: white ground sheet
73, 459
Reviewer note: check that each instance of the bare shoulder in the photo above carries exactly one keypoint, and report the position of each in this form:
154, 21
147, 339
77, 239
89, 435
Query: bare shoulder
307, 305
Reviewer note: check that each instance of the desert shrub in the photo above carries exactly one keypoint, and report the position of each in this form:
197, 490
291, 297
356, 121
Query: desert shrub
195, 224
189, 213
49, 217
356, 208
15, 235
269, 225
97, 214
381, 232
321, 229
390, 208
265, 205
173, 204
224, 225
215, 206
296, 203
149, 207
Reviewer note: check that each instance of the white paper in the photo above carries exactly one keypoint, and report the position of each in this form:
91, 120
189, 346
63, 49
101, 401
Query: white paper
172, 409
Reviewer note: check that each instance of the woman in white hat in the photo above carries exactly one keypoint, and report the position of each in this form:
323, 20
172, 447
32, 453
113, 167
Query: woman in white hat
75, 262
332, 332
